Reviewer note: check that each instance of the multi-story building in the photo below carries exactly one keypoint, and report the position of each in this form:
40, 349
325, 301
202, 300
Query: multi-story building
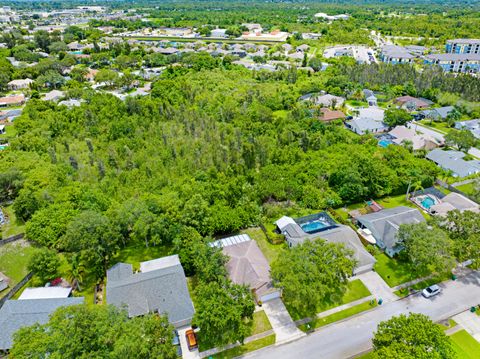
393, 54
463, 46
464, 63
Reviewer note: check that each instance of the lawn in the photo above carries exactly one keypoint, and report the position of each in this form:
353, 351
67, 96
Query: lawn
14, 258
269, 250
260, 323
10, 132
438, 126
320, 322
243, 349
14, 226
467, 188
136, 252
393, 271
465, 346
355, 290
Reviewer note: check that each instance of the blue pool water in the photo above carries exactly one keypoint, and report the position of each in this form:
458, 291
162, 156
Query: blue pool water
313, 226
427, 202
79, 52
384, 143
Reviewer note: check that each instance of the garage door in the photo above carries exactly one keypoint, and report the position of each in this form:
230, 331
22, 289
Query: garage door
270, 296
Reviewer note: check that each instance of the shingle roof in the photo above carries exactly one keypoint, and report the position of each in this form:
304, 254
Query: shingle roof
453, 161
384, 224
163, 290
16, 314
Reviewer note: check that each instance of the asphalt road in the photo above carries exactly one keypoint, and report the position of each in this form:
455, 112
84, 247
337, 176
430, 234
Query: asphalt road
353, 336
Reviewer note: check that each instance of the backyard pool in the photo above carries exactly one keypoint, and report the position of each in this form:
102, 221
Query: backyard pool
427, 202
314, 226
384, 143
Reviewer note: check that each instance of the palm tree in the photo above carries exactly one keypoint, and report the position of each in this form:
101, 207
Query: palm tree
77, 271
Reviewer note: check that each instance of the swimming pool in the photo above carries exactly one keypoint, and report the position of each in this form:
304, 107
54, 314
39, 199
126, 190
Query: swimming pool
427, 202
314, 226
384, 143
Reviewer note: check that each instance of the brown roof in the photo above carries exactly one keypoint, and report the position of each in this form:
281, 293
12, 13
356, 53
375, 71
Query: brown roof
418, 102
12, 100
330, 115
247, 265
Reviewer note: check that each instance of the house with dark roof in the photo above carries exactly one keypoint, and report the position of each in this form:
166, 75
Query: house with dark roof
16, 314
247, 265
416, 103
471, 125
160, 286
383, 226
322, 226
439, 112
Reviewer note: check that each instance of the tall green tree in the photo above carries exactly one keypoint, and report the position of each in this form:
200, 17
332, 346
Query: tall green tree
427, 247
100, 331
462, 139
412, 336
45, 264
312, 274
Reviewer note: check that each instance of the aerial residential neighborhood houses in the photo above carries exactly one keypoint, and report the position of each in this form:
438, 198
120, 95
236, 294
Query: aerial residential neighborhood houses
367, 227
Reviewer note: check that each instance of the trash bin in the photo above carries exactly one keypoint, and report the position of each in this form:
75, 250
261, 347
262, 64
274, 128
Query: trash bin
473, 309
380, 301
454, 277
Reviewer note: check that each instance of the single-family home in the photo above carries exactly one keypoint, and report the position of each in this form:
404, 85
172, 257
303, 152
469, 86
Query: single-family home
402, 134
439, 112
12, 100
247, 265
370, 97
383, 226
302, 48
453, 161
472, 125
16, 314
46, 292
324, 100
322, 226
220, 33
70, 103
327, 115
368, 120
412, 103
19, 84
53, 95
160, 286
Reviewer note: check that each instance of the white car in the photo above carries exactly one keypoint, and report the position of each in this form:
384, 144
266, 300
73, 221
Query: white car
431, 291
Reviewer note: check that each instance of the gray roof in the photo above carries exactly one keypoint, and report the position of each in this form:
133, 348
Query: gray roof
453, 161
384, 224
460, 202
16, 314
162, 290
453, 57
396, 52
339, 234
465, 41
441, 111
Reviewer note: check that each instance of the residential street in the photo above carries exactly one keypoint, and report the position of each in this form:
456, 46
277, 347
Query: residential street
353, 336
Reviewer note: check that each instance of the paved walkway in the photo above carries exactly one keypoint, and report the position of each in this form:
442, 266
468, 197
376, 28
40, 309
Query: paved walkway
377, 286
282, 324
470, 322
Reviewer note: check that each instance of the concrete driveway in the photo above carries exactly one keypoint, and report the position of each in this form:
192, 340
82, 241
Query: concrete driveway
186, 354
377, 286
353, 336
282, 324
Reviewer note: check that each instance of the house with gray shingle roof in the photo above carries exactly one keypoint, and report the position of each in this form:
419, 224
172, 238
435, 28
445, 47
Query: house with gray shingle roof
160, 286
384, 226
321, 226
16, 314
453, 161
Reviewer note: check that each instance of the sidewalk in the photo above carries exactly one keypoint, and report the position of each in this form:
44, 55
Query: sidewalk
377, 286
282, 324
214, 351
470, 322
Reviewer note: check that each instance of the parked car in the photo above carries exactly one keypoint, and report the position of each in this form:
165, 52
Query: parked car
431, 291
191, 339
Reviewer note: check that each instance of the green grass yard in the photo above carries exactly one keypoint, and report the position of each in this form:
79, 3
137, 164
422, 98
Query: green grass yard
14, 258
465, 346
355, 290
136, 252
243, 349
393, 271
335, 317
467, 188
14, 226
260, 322
438, 126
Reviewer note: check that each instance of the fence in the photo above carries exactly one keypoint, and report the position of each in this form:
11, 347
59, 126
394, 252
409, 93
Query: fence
453, 189
11, 239
15, 289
